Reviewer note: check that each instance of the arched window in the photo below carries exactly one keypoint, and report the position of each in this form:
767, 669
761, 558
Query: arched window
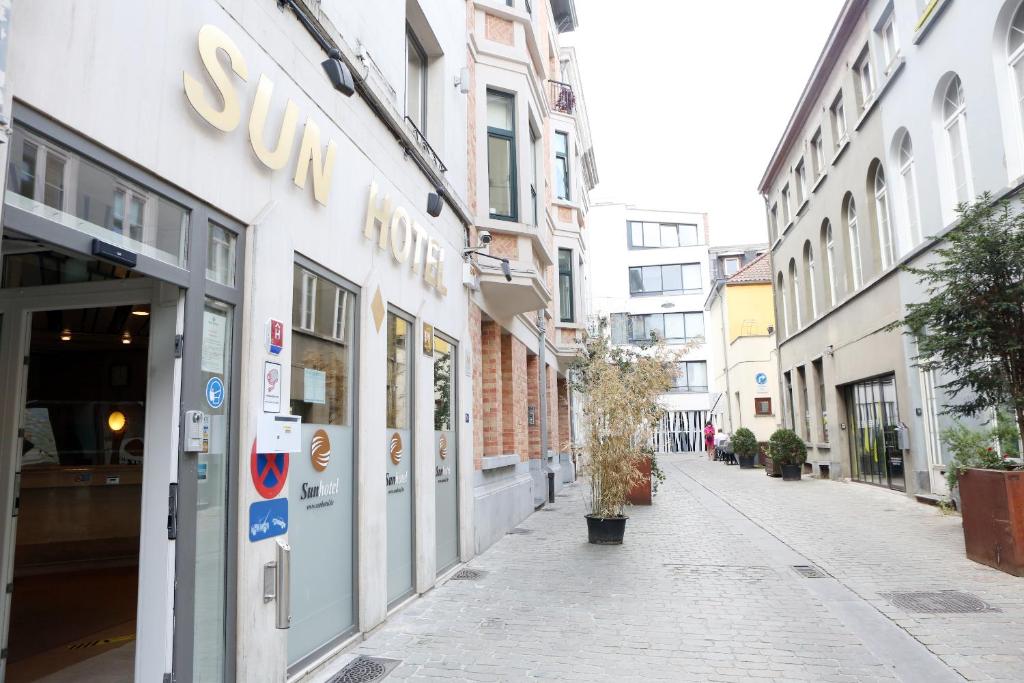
794, 294
908, 179
780, 290
810, 278
853, 236
882, 222
954, 120
828, 245
1015, 58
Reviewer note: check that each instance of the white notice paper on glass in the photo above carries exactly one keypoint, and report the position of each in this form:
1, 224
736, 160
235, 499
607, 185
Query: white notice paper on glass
314, 385
214, 335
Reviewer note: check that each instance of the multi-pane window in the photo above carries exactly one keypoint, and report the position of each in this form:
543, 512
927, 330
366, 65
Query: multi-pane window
854, 237
1015, 58
837, 113
830, 264
671, 327
562, 187
773, 221
801, 377
674, 278
787, 208
801, 183
691, 376
647, 235
865, 79
501, 155
954, 112
565, 289
415, 81
38, 173
534, 144
908, 176
817, 154
794, 283
885, 240
812, 279
890, 46
320, 307
128, 213
819, 375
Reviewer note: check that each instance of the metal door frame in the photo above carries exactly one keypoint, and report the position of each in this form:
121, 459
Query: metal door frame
457, 435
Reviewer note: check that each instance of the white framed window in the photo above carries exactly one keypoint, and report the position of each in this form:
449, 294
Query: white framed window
801, 183
830, 264
889, 42
307, 308
781, 290
882, 220
908, 179
39, 172
773, 221
854, 237
340, 309
128, 212
954, 114
1015, 59
415, 81
865, 79
817, 154
787, 207
730, 265
794, 284
812, 278
837, 113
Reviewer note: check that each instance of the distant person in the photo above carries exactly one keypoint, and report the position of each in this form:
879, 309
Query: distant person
709, 439
720, 438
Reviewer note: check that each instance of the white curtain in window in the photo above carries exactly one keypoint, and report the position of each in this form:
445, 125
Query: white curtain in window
955, 121
830, 264
854, 236
885, 241
794, 283
908, 176
1015, 57
811, 279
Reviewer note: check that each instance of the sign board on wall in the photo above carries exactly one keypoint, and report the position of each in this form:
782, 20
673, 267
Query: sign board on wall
268, 518
271, 387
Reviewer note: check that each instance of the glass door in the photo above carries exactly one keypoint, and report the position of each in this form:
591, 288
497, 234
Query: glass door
446, 452
874, 420
399, 450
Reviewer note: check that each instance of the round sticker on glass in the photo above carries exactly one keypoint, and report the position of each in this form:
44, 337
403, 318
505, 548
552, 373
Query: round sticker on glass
215, 392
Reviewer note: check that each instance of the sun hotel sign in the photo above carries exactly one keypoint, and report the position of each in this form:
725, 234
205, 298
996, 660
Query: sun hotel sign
391, 228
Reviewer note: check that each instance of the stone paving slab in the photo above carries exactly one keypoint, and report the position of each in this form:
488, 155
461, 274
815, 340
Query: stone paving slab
703, 590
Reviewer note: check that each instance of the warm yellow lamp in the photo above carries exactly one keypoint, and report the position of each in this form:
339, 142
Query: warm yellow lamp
116, 421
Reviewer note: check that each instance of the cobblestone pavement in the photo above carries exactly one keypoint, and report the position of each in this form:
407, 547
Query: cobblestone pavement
703, 589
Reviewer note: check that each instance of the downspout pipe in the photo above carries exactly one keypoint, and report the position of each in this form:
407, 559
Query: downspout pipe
542, 389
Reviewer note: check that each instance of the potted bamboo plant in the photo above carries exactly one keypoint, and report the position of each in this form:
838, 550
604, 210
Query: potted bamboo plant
788, 453
620, 387
744, 444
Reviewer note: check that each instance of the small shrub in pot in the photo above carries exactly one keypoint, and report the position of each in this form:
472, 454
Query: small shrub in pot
744, 444
789, 452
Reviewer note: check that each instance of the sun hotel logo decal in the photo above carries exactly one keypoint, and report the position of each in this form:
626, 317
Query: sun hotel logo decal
396, 482
442, 472
396, 231
320, 494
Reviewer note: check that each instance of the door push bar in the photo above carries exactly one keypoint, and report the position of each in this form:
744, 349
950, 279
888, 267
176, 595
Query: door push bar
277, 582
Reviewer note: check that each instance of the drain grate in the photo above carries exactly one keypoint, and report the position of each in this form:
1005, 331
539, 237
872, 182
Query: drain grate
517, 530
940, 602
467, 574
365, 669
809, 571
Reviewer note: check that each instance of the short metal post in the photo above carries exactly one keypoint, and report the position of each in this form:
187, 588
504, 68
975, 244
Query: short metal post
551, 487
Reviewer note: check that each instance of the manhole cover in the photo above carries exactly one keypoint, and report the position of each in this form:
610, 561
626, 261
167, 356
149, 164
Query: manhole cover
940, 602
809, 571
517, 530
364, 669
467, 574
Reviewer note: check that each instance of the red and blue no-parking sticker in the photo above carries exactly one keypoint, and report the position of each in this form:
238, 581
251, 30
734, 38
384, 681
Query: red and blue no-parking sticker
269, 472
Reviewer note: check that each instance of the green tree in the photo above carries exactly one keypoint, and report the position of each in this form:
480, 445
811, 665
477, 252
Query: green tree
971, 327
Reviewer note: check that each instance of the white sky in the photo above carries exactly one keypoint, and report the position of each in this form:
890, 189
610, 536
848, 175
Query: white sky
688, 98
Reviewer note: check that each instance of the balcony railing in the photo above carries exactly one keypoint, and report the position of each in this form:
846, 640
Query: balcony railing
563, 99
425, 146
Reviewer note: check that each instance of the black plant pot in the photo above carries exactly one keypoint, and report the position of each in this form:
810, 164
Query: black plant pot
606, 530
791, 472
746, 461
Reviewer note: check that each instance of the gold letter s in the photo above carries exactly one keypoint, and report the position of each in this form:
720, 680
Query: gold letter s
212, 39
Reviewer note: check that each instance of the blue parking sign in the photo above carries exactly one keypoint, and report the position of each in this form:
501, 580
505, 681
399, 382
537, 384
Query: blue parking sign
268, 518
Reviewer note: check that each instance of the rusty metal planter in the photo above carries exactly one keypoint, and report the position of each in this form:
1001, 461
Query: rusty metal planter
992, 503
641, 493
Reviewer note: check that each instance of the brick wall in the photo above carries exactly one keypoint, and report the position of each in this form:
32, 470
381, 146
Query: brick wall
499, 30
478, 394
513, 395
504, 246
533, 399
490, 359
564, 428
552, 387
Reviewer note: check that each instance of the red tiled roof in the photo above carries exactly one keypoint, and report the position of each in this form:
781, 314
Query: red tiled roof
758, 270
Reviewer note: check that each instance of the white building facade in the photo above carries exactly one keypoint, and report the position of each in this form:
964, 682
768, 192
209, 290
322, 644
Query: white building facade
650, 274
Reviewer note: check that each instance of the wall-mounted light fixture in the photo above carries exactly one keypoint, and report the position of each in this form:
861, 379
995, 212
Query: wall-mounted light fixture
126, 338
462, 80
65, 335
830, 350
116, 421
338, 73
435, 202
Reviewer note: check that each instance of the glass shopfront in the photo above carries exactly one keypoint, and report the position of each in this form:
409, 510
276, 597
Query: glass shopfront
874, 422
399, 454
322, 479
446, 461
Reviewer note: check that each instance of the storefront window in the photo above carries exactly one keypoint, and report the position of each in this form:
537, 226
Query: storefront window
874, 421
445, 455
213, 468
56, 184
322, 479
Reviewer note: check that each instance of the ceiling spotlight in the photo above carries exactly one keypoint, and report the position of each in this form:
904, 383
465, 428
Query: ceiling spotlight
126, 338
116, 421
65, 334
339, 74
435, 203
140, 309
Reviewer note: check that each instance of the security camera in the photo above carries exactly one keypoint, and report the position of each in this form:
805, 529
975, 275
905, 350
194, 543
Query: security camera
485, 237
